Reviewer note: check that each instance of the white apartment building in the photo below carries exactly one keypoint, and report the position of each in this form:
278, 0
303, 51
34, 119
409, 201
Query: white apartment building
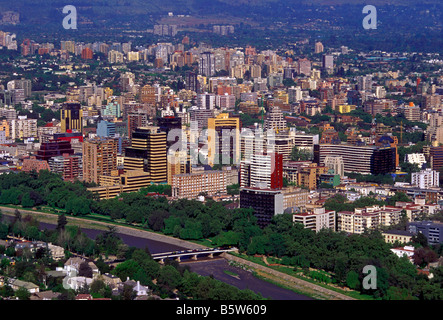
418, 158
426, 179
316, 220
362, 219
23, 128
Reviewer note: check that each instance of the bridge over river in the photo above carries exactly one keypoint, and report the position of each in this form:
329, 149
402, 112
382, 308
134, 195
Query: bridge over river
192, 254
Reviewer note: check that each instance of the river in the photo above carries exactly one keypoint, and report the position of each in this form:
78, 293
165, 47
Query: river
241, 279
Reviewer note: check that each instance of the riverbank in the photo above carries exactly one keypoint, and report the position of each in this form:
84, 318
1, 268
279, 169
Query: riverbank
52, 218
287, 281
262, 272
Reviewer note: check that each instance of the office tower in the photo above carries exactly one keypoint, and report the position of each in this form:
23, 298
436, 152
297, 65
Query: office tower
328, 62
148, 153
223, 139
168, 123
266, 203
71, 117
200, 117
319, 47
191, 82
99, 158
206, 100
361, 159
432, 230
206, 64
105, 129
335, 163
54, 148
304, 67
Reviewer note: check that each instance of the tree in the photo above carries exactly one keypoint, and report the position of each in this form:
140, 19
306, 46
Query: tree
300, 154
27, 202
352, 280
22, 294
128, 293
169, 277
423, 256
420, 239
85, 270
61, 222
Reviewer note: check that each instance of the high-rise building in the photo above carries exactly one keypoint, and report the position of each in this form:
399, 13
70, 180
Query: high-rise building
24, 84
200, 117
266, 203
335, 163
223, 139
168, 123
106, 129
319, 47
304, 67
412, 112
206, 64
54, 148
328, 62
87, 54
275, 120
425, 179
191, 81
99, 158
263, 171
71, 117
148, 94
69, 166
136, 120
364, 83
148, 153
361, 159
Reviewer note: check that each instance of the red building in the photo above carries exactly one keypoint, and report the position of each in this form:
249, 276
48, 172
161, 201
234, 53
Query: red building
87, 54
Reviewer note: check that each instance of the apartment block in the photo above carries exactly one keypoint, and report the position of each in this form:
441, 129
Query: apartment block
362, 219
99, 158
191, 185
316, 219
115, 183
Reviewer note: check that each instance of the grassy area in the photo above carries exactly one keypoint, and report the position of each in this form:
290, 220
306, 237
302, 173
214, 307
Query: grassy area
290, 271
230, 273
